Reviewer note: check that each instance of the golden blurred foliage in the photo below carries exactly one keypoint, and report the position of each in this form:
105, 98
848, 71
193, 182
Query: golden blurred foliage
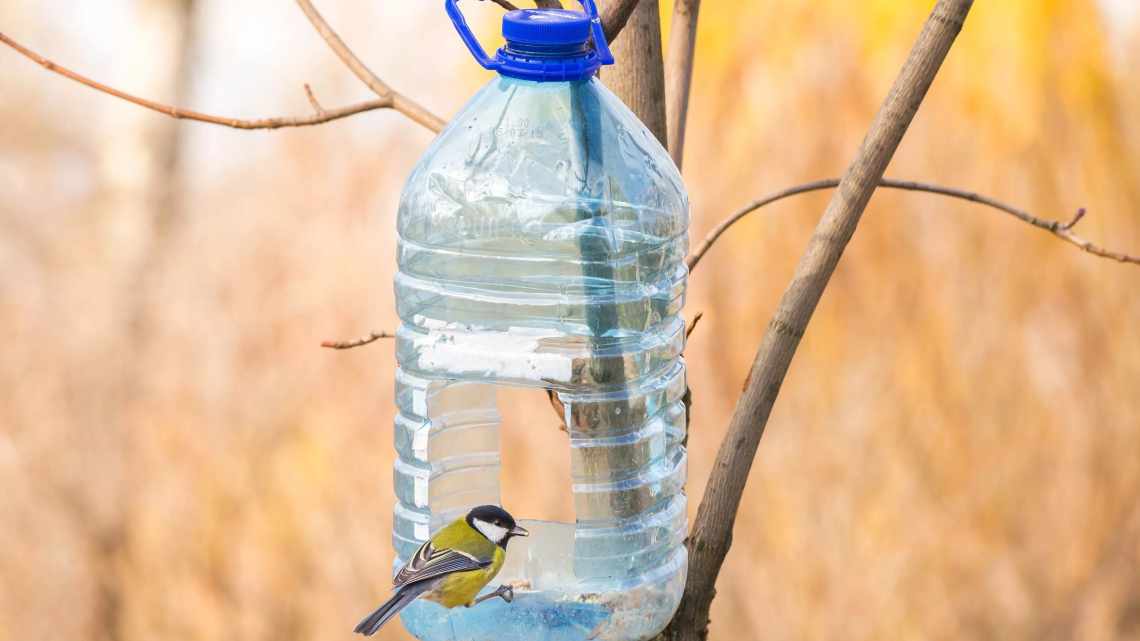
954, 455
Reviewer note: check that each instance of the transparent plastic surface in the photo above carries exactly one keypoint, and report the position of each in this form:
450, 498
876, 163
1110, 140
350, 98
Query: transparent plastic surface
541, 243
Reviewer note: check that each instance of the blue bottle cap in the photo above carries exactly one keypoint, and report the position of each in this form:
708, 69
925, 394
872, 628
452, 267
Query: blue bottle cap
557, 27
542, 44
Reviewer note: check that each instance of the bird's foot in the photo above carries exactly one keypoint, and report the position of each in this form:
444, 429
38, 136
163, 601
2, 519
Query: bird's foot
505, 592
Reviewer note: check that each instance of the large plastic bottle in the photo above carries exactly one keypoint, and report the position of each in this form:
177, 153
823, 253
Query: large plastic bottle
541, 243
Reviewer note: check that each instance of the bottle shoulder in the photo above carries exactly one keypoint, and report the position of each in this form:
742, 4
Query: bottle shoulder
522, 156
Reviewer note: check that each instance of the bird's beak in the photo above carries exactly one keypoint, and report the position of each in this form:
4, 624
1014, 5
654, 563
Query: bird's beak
519, 530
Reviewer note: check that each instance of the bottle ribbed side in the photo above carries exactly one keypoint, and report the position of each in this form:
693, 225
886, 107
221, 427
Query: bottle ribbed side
447, 445
628, 466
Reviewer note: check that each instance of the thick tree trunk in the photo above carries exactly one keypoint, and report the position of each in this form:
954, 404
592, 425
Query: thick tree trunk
638, 78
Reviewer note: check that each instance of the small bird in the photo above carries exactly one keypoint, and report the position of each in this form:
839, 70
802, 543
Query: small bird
451, 567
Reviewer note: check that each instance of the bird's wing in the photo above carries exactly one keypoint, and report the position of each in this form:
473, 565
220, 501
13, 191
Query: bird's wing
430, 562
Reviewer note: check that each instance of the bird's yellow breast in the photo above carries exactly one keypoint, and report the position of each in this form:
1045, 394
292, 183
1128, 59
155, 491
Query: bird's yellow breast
461, 588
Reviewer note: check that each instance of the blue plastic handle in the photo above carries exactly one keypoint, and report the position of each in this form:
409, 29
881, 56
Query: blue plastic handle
468, 38
487, 62
603, 47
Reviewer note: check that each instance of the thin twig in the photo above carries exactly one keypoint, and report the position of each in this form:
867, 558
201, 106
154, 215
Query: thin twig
1058, 228
399, 102
693, 324
679, 73
711, 536
313, 100
1076, 219
187, 114
363, 340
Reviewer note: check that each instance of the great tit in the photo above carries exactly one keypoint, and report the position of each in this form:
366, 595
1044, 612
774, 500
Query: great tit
452, 567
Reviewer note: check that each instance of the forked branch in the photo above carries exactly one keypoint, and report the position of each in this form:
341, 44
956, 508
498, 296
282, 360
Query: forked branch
321, 116
399, 101
1060, 229
388, 97
614, 18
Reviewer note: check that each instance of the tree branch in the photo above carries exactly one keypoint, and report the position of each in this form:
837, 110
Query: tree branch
711, 536
1058, 228
399, 102
320, 117
363, 340
679, 74
615, 15
693, 325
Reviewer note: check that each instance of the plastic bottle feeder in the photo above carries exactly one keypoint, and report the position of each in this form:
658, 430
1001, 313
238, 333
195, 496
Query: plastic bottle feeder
541, 244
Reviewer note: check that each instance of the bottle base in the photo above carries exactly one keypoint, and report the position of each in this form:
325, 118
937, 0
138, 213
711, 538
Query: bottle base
592, 611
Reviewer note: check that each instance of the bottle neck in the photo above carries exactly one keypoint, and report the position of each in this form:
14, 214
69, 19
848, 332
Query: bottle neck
524, 49
547, 62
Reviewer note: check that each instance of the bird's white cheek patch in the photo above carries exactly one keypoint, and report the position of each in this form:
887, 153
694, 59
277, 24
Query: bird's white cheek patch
490, 530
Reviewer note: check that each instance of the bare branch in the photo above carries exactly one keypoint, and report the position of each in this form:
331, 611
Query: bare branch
363, 340
388, 97
186, 114
398, 101
712, 531
679, 74
1058, 228
614, 16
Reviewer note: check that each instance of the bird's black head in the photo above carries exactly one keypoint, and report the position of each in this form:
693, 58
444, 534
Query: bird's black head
494, 523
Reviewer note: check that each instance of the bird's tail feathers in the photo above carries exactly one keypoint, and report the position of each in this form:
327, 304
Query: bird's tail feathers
374, 621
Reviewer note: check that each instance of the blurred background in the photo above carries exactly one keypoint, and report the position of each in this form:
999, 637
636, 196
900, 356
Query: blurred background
955, 453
